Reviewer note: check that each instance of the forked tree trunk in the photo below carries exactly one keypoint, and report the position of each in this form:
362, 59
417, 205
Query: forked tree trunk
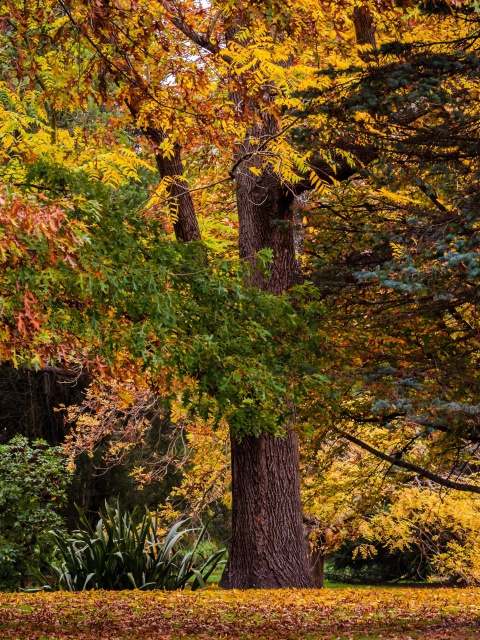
266, 221
268, 549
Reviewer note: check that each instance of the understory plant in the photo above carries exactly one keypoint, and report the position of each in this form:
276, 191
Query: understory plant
33, 488
121, 553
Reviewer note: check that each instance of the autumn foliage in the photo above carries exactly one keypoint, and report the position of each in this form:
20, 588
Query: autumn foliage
392, 614
334, 144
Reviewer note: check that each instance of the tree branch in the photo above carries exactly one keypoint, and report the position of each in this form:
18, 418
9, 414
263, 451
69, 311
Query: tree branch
398, 462
187, 30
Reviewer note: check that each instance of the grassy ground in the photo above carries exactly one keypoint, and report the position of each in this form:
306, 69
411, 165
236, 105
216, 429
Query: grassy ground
333, 614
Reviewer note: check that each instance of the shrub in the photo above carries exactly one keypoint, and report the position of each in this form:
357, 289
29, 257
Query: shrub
33, 485
119, 553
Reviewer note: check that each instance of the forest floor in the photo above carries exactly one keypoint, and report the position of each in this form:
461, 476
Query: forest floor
333, 614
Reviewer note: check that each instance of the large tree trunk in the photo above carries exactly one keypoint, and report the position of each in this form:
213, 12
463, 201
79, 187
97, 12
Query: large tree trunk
268, 548
266, 221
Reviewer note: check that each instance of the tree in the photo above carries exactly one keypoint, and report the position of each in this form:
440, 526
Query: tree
203, 80
441, 530
409, 276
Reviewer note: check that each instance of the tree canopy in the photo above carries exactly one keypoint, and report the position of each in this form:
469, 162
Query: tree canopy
336, 144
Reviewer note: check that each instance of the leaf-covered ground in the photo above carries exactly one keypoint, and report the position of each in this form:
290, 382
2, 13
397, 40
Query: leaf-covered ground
346, 614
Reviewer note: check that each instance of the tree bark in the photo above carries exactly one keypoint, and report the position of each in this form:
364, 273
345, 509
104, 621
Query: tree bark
364, 26
317, 568
268, 547
266, 221
186, 223
265, 205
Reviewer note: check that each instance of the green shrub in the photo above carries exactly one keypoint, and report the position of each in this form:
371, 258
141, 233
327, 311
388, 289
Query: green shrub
119, 553
33, 485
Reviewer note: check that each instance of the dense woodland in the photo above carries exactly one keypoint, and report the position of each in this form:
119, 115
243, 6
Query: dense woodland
239, 285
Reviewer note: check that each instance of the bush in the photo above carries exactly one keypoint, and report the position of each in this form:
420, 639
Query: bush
33, 485
348, 566
120, 554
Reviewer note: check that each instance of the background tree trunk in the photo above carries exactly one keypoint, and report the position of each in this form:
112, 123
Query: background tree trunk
317, 568
186, 223
364, 26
